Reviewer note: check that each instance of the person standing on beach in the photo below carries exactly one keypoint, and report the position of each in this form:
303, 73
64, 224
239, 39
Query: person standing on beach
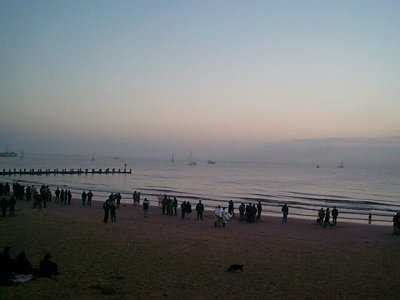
113, 208
11, 206
57, 194
175, 205
83, 197
106, 208
69, 197
231, 208
183, 209
369, 218
285, 213
242, 210
327, 217
89, 198
146, 206
335, 214
259, 210
199, 210
4, 204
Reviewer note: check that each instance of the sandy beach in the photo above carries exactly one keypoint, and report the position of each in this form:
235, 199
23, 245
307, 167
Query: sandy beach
166, 257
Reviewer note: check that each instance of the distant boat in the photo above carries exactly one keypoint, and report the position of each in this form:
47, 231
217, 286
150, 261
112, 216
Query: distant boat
191, 161
211, 162
172, 158
8, 153
340, 165
116, 157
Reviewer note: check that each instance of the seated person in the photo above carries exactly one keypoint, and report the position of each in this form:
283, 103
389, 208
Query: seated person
22, 264
47, 268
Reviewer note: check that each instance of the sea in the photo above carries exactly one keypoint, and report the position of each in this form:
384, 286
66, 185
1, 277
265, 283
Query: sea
356, 191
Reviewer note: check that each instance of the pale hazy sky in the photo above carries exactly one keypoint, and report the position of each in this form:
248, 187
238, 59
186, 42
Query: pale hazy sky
196, 74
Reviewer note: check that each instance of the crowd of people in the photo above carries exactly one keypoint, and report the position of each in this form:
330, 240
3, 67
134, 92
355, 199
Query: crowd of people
250, 212
324, 216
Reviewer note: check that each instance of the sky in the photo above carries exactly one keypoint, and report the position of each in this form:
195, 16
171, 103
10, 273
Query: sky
153, 77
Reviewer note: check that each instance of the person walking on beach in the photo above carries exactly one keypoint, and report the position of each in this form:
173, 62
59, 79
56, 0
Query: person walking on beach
146, 207
370, 218
106, 208
285, 213
335, 214
199, 210
89, 198
83, 197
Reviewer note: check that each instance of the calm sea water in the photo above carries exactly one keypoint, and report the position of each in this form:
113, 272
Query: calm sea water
355, 191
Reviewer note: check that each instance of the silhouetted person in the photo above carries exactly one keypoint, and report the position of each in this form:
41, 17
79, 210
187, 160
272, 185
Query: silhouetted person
335, 214
242, 210
183, 209
57, 192
285, 213
231, 207
321, 216
164, 204
6, 262
69, 197
369, 218
47, 268
200, 210
259, 210
113, 209
175, 205
22, 264
89, 198
4, 205
83, 197
327, 217
11, 206
118, 198
146, 206
106, 208
396, 223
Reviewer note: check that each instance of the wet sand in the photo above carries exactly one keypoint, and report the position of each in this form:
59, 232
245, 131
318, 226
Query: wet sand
166, 257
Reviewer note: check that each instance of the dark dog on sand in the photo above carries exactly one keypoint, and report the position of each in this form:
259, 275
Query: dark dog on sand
235, 268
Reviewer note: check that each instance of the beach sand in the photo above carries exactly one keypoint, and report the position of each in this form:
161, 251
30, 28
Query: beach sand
166, 257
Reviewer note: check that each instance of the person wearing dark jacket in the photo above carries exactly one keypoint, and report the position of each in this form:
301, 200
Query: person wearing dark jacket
199, 210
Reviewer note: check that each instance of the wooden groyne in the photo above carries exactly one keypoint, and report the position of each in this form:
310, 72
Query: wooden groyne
64, 171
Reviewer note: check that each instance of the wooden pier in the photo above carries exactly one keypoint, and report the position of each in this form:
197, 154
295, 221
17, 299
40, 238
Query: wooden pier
64, 171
